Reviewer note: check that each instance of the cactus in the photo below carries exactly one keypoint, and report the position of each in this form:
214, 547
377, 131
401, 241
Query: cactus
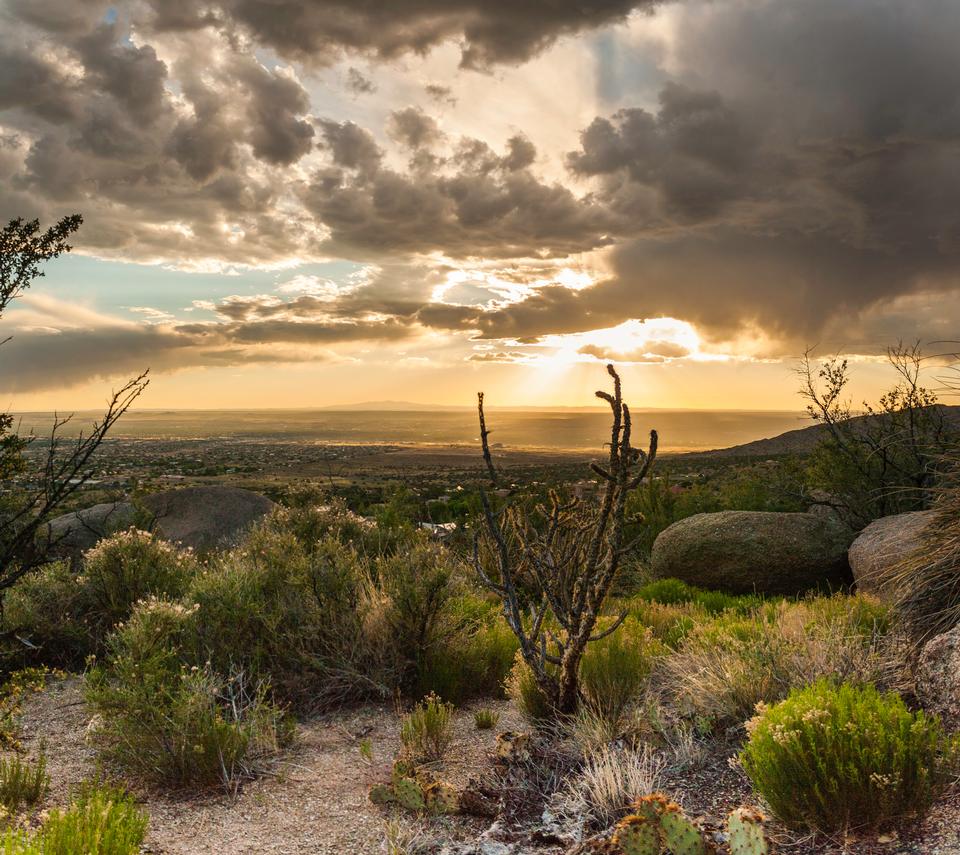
409, 794
746, 834
636, 835
680, 835
513, 746
402, 769
441, 798
651, 807
382, 794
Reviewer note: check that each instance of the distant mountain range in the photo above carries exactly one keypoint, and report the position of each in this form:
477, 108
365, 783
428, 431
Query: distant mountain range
800, 441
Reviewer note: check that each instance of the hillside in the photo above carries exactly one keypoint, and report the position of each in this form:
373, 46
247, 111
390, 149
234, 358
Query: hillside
800, 441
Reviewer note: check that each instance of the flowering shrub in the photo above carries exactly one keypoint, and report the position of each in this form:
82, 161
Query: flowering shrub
833, 757
67, 615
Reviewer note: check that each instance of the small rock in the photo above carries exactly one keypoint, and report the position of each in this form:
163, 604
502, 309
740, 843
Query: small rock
938, 677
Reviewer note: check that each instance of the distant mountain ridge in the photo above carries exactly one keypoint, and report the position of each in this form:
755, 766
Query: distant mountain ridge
799, 441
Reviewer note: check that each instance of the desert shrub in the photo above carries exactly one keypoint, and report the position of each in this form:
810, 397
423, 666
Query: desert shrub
179, 724
615, 669
473, 658
724, 667
299, 618
611, 778
427, 730
522, 689
417, 587
669, 624
22, 782
67, 615
101, 820
673, 592
832, 757
927, 581
486, 719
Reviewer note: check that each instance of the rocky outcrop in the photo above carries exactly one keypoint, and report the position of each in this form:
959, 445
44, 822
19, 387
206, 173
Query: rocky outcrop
205, 517
881, 546
938, 677
70, 535
754, 551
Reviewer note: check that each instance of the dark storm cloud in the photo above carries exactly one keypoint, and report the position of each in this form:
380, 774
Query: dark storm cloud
413, 128
321, 31
475, 203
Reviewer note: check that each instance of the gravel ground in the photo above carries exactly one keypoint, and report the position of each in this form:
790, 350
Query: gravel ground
314, 800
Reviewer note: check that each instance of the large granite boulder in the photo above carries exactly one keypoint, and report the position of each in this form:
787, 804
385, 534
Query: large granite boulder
881, 546
205, 517
938, 677
70, 535
754, 551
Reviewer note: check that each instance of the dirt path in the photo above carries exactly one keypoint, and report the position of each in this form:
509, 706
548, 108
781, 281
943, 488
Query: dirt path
314, 802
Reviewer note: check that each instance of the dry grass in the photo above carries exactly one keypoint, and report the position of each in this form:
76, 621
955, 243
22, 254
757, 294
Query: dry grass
927, 582
611, 778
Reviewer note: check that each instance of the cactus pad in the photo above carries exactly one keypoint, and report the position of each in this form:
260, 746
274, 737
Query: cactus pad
680, 835
409, 794
441, 798
382, 794
636, 835
745, 832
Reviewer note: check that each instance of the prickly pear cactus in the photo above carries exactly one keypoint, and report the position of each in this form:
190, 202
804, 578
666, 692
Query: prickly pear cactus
513, 746
441, 798
651, 807
409, 795
745, 832
636, 835
402, 769
382, 794
680, 835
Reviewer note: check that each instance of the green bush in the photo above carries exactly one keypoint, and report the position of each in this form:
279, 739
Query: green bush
474, 657
836, 757
486, 719
101, 820
676, 592
614, 670
22, 783
179, 724
523, 690
426, 731
68, 615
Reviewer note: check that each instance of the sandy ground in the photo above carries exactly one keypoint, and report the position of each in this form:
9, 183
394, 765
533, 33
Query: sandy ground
315, 801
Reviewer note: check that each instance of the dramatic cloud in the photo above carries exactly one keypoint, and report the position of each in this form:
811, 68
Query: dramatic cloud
766, 170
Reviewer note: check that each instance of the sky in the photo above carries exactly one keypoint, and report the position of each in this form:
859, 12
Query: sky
297, 204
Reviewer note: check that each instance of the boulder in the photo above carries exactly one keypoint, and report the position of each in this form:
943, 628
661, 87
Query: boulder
754, 551
70, 535
881, 546
205, 517
938, 677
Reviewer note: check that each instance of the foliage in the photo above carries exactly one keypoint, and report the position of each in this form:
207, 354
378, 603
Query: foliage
523, 689
22, 782
834, 757
427, 730
677, 592
101, 820
179, 724
615, 669
884, 459
553, 569
24, 540
67, 615
486, 719
726, 665
417, 586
